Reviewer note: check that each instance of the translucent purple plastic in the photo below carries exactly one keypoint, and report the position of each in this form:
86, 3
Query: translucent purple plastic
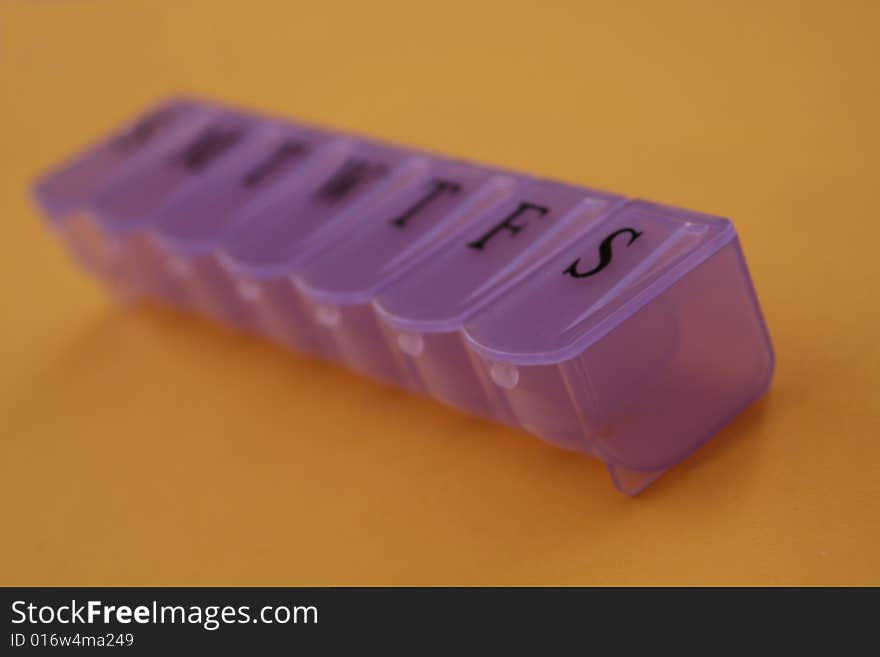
622, 329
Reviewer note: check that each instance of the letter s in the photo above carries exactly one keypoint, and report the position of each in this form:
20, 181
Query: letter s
605, 254
21, 614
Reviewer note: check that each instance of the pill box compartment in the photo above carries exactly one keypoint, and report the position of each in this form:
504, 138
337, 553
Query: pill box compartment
66, 192
636, 344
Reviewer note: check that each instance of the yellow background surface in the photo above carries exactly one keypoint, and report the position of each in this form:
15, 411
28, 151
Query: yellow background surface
144, 447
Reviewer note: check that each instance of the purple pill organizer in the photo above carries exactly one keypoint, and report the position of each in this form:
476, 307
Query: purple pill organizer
618, 328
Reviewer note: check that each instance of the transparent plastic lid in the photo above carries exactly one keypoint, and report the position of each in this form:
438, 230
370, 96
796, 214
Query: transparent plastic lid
398, 234
587, 288
491, 254
198, 221
212, 141
290, 229
73, 184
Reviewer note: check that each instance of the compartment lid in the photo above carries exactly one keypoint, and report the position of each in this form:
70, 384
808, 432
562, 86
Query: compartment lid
71, 185
587, 288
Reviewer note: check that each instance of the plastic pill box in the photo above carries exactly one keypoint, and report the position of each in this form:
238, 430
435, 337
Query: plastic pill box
618, 328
